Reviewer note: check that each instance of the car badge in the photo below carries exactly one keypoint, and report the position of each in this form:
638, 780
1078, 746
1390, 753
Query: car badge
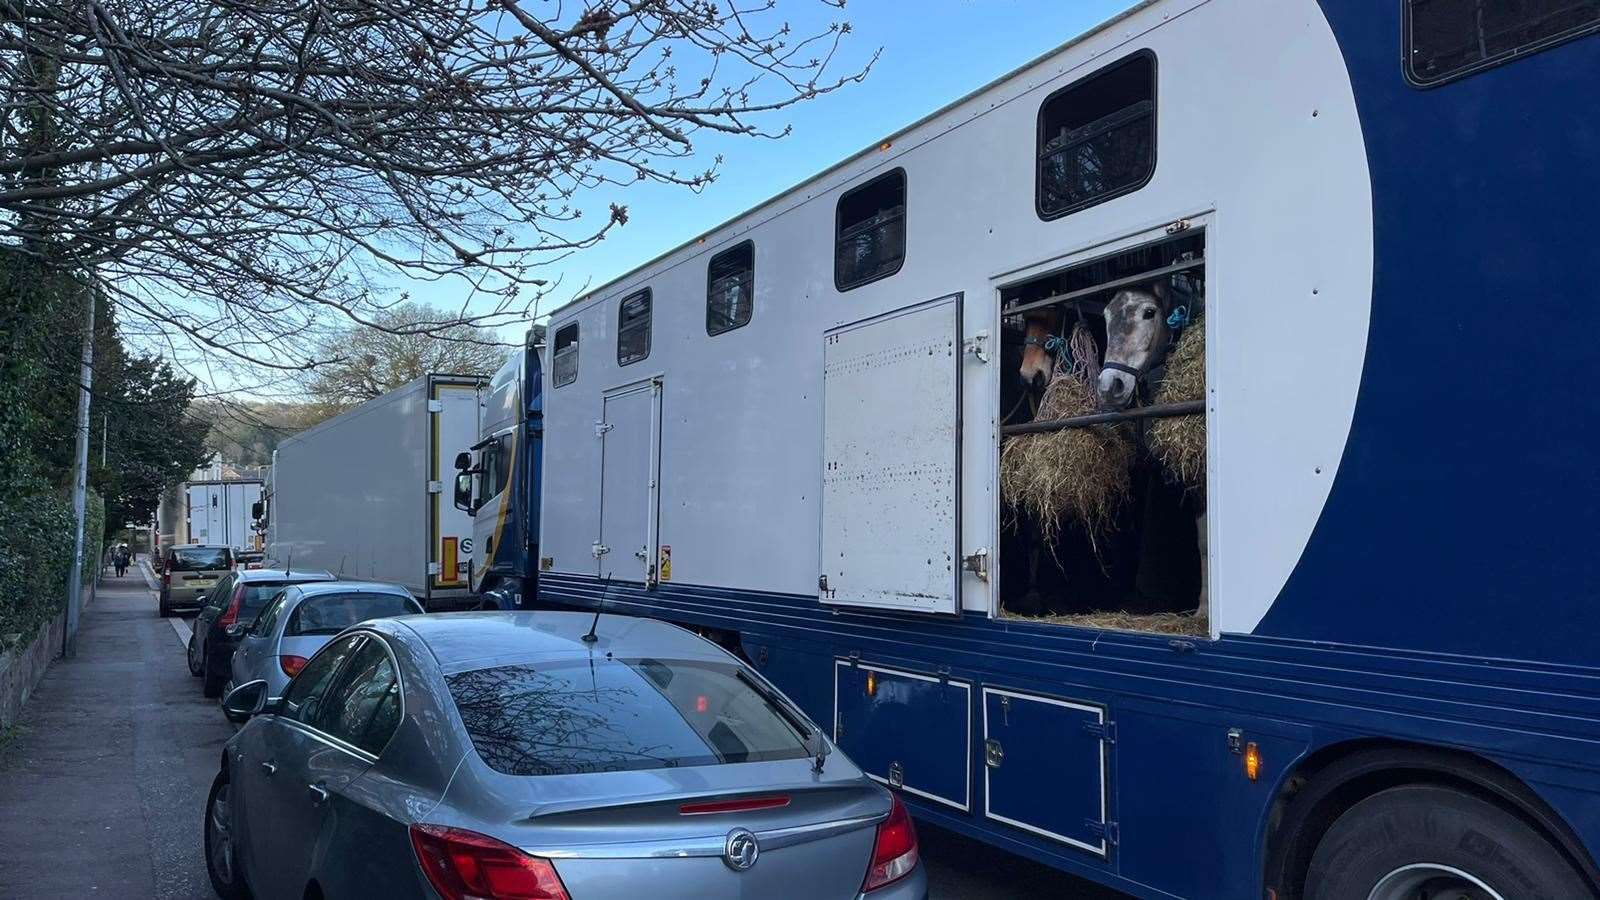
742, 850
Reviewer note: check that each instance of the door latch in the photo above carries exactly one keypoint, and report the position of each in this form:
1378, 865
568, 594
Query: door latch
642, 554
599, 549
897, 775
993, 753
600, 428
977, 563
978, 346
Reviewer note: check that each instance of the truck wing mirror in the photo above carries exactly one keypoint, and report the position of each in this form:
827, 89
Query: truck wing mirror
463, 492
256, 510
463, 461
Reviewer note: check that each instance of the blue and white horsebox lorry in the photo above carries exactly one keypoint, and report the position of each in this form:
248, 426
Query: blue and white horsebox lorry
1355, 655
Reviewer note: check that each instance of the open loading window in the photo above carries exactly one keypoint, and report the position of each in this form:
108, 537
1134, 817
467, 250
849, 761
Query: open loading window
1103, 454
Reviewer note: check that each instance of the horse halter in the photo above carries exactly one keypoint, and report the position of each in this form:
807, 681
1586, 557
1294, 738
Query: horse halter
1051, 344
1176, 322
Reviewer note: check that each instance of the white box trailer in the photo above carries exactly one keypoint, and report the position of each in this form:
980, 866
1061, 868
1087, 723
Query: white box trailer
366, 493
219, 512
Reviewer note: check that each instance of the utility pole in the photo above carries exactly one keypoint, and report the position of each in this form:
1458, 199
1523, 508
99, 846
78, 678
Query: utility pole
80, 481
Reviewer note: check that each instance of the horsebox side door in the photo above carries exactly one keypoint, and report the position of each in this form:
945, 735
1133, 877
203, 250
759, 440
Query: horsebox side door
629, 433
891, 401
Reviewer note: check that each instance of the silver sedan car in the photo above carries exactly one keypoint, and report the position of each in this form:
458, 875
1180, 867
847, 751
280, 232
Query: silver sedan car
539, 755
301, 618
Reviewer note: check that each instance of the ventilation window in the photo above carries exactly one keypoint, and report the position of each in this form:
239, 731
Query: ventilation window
564, 355
633, 328
1097, 137
871, 238
730, 288
1447, 39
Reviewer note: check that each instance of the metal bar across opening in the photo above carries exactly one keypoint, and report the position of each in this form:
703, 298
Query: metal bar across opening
1162, 411
1109, 285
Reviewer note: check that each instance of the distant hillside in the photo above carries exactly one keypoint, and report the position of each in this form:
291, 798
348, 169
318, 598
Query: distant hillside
247, 433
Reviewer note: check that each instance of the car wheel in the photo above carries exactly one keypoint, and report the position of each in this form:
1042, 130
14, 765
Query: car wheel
1422, 841
212, 687
166, 611
194, 666
222, 855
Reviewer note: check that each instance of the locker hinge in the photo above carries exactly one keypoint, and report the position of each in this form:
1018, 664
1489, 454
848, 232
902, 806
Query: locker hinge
600, 428
435, 406
433, 568
435, 487
1105, 731
1105, 831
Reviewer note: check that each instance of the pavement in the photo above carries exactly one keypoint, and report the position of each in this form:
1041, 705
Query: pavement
103, 781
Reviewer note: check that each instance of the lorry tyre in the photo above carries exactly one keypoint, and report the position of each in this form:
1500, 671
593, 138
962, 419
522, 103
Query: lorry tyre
1419, 841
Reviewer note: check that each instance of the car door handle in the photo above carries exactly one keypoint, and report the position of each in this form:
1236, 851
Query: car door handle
269, 768
319, 793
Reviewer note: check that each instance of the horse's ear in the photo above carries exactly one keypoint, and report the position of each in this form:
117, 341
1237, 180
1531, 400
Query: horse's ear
1159, 288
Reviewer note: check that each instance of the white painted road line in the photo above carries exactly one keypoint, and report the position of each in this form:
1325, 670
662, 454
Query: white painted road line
183, 629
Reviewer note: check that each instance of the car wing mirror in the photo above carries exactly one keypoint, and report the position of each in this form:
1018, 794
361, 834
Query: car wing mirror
244, 701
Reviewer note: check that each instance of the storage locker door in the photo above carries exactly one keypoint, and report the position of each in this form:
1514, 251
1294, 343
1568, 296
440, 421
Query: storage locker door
627, 491
911, 730
891, 433
1044, 767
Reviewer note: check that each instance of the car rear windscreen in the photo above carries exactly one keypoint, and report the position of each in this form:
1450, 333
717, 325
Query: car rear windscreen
333, 613
199, 559
609, 715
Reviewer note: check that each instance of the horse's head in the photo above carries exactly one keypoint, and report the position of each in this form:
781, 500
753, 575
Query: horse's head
1038, 356
1136, 338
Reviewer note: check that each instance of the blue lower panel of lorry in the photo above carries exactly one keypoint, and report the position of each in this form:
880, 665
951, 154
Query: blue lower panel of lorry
908, 729
1045, 766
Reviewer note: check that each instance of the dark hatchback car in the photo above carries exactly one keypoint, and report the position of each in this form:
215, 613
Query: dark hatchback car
228, 612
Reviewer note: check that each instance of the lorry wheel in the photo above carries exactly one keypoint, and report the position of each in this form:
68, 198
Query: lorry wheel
1422, 841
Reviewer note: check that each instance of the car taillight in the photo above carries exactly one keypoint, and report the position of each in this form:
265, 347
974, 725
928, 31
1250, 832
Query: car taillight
894, 854
291, 665
166, 577
463, 864
231, 614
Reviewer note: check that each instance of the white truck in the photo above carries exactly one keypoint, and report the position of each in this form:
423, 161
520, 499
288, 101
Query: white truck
366, 493
219, 512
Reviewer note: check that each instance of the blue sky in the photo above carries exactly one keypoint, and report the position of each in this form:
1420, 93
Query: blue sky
934, 51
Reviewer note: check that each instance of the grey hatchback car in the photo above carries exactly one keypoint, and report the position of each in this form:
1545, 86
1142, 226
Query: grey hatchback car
527, 755
300, 619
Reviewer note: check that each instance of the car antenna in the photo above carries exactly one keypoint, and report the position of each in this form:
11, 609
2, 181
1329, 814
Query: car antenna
288, 560
591, 637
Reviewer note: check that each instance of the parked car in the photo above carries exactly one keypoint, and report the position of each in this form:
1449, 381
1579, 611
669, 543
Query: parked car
189, 572
230, 609
299, 620
526, 755
252, 559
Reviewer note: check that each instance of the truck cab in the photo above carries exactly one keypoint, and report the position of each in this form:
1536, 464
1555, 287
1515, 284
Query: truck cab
497, 482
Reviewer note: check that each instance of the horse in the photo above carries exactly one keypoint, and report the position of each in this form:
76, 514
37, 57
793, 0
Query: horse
1138, 337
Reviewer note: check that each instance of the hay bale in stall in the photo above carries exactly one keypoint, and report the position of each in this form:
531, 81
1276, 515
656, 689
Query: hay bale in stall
1084, 473
1180, 442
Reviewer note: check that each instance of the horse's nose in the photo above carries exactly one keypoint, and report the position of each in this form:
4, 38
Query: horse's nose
1038, 380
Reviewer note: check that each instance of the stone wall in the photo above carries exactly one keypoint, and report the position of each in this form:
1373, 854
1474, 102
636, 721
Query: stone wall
22, 667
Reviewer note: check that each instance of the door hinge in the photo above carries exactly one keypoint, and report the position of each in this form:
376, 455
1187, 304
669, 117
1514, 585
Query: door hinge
1105, 831
823, 591
1105, 731
599, 549
1179, 226
433, 568
600, 428
435, 406
993, 753
977, 563
978, 346
435, 487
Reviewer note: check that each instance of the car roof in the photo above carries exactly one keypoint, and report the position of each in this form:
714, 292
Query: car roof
199, 547
293, 575
352, 587
465, 641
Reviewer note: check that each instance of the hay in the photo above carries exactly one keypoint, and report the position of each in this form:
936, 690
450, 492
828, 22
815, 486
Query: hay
1191, 624
1180, 442
1084, 473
